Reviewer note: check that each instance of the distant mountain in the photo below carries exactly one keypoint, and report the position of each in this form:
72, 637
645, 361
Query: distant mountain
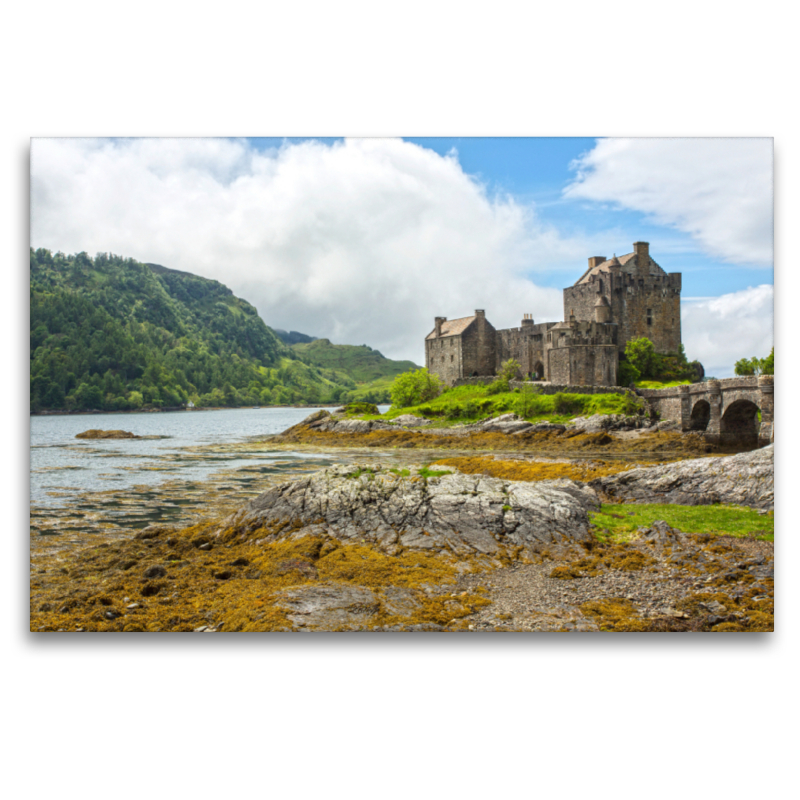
293, 337
115, 334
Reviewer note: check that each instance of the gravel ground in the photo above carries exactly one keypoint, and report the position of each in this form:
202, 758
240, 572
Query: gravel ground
525, 598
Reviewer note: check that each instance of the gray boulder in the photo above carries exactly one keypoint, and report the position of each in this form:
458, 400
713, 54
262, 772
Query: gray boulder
505, 423
746, 479
411, 421
463, 514
599, 423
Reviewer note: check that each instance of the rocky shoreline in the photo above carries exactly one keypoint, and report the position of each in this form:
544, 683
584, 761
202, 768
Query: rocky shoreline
608, 433
370, 548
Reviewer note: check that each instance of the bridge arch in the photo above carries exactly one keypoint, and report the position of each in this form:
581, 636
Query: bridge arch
538, 371
739, 423
701, 414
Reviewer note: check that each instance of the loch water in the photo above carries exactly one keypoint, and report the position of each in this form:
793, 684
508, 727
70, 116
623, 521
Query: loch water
185, 460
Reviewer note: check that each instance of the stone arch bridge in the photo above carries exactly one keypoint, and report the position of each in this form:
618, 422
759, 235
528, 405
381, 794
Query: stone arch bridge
726, 410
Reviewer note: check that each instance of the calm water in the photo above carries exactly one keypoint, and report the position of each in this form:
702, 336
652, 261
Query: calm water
190, 445
191, 462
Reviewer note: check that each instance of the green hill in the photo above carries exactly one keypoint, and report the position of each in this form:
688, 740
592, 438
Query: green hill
112, 333
360, 362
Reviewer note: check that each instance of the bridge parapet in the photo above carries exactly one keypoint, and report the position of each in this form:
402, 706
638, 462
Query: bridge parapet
704, 406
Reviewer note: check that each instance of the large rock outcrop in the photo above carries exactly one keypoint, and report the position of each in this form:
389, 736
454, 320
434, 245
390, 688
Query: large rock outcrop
746, 479
463, 514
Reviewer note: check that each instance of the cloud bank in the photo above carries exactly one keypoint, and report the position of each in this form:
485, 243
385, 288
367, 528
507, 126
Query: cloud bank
717, 190
721, 330
364, 241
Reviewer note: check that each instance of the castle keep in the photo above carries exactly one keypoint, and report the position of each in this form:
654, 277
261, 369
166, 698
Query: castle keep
615, 300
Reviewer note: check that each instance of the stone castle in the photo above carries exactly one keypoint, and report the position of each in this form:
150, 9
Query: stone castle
615, 300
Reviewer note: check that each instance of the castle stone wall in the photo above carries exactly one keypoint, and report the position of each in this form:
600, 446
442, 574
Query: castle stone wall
525, 344
543, 387
444, 357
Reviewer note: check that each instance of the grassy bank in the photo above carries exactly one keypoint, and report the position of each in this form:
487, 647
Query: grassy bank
464, 404
619, 523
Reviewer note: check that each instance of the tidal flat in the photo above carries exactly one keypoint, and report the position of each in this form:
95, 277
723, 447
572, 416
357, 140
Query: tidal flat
165, 555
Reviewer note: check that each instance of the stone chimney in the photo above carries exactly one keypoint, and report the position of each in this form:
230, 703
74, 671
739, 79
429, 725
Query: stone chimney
527, 320
595, 260
642, 250
479, 312
438, 323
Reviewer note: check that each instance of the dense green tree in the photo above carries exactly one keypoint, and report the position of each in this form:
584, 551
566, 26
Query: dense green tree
114, 334
414, 387
755, 365
641, 355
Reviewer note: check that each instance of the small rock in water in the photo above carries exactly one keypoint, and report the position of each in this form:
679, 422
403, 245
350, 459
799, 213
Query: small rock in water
95, 433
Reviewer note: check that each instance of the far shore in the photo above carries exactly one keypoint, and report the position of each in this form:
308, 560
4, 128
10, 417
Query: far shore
196, 408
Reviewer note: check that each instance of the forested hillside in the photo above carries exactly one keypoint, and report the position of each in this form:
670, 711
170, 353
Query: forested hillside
115, 334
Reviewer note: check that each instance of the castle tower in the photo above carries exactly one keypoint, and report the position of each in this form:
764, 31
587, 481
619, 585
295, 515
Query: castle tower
643, 299
602, 310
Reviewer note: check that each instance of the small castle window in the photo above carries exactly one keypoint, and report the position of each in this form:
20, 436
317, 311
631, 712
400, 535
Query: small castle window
451, 358
442, 359
649, 316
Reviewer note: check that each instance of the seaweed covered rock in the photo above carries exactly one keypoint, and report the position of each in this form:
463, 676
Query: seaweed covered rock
95, 433
599, 423
462, 514
746, 479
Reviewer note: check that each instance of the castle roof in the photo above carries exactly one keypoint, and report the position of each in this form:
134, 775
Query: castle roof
453, 327
617, 261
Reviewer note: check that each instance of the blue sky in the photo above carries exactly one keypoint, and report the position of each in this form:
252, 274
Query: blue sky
366, 240
536, 170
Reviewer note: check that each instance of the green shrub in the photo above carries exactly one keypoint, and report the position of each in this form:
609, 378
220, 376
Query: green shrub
361, 408
569, 403
499, 386
414, 387
627, 374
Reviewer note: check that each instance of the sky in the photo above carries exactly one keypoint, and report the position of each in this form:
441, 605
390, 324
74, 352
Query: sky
365, 241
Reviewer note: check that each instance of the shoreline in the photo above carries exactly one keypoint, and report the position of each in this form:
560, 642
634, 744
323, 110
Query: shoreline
174, 410
247, 573
243, 572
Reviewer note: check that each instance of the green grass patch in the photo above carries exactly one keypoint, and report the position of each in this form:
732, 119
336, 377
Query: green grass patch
659, 384
362, 471
619, 523
433, 473
465, 404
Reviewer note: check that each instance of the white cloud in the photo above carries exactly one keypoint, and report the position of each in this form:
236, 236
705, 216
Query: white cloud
364, 241
721, 330
717, 190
